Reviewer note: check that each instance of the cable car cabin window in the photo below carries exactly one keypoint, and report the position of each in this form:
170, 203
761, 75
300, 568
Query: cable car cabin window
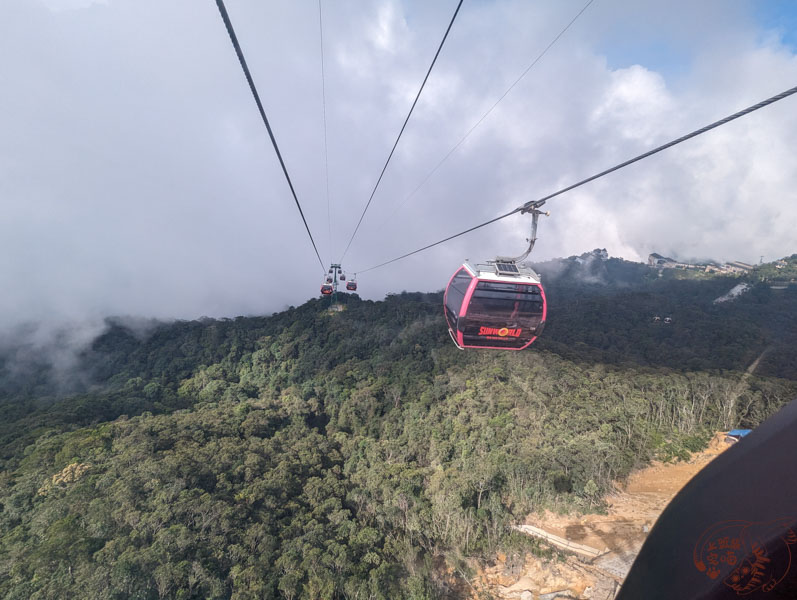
455, 294
503, 315
505, 303
457, 290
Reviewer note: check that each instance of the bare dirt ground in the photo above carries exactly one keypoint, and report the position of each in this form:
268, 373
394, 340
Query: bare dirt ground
632, 511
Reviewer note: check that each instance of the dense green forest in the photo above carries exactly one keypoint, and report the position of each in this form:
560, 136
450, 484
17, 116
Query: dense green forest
359, 454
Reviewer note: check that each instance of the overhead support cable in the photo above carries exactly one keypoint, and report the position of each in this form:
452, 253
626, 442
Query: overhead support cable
535, 204
324, 104
387, 162
234, 39
490, 110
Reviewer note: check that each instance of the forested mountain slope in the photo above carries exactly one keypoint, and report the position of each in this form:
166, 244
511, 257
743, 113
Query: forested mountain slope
360, 454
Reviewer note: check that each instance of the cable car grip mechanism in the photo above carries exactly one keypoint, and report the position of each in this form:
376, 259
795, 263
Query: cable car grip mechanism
534, 209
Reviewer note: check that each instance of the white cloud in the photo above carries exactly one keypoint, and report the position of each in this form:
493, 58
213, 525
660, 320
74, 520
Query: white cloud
64, 5
385, 32
633, 106
136, 177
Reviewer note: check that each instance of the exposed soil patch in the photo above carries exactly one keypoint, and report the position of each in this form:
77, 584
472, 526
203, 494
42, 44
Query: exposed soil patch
632, 511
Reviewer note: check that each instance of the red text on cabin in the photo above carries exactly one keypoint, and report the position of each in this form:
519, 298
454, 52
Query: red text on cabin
503, 332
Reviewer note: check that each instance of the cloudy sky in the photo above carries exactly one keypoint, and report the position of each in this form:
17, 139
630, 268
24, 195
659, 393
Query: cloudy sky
136, 177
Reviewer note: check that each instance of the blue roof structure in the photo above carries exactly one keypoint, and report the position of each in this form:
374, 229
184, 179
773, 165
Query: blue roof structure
739, 432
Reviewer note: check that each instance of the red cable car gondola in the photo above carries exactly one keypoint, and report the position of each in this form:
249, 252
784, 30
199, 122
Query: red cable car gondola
326, 289
351, 286
500, 305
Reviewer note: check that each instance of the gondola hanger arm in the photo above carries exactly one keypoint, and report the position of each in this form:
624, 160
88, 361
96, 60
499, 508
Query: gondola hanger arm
533, 208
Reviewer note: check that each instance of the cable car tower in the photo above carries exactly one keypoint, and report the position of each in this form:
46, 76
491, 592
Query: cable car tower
330, 286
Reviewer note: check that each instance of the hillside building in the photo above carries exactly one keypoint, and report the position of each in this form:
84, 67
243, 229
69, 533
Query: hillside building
739, 267
657, 260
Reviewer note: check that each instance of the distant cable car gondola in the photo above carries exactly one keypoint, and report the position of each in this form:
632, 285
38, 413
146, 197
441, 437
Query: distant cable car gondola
326, 289
351, 286
499, 305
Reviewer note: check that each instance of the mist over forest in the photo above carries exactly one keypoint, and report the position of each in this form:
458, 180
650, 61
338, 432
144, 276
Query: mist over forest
352, 454
160, 161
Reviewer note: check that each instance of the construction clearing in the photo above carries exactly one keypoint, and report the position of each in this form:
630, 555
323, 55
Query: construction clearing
595, 551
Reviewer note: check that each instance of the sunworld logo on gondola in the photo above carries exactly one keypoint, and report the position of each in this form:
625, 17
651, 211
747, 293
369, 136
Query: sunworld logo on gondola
503, 332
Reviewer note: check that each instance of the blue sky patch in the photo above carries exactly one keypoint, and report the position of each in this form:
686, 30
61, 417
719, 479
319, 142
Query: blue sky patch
779, 16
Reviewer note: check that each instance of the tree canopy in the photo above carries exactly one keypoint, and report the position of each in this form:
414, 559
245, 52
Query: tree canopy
359, 454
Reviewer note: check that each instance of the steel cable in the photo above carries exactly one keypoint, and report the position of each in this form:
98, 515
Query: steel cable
234, 39
490, 110
538, 203
378, 181
324, 104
